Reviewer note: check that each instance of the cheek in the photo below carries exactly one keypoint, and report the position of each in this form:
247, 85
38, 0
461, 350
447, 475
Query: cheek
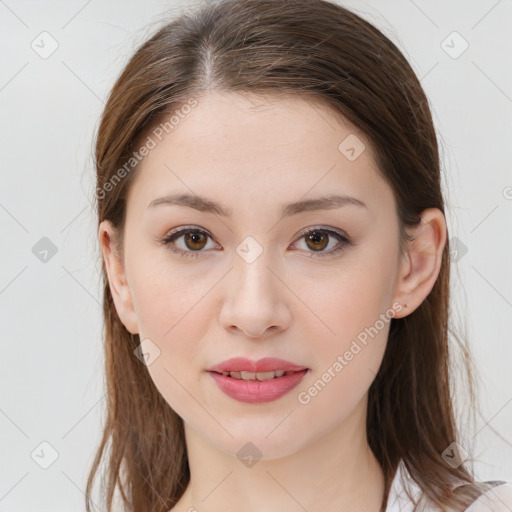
350, 298
172, 310
355, 312
346, 362
173, 316
167, 300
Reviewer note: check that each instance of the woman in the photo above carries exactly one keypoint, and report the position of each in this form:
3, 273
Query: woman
276, 272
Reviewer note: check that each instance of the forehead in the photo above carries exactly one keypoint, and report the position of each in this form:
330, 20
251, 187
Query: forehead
255, 146
243, 123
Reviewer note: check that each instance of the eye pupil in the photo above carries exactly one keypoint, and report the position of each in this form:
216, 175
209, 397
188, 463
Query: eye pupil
315, 236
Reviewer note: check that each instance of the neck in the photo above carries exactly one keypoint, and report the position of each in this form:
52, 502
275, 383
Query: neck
335, 472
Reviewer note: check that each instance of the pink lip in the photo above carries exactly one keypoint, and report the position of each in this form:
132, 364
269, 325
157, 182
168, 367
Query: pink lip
267, 364
254, 391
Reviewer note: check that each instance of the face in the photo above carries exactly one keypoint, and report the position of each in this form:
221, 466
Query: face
315, 287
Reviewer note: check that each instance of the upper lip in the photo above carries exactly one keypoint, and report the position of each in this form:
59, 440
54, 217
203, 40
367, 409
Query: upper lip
267, 364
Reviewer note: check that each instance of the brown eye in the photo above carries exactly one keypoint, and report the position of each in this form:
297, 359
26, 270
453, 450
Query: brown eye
189, 243
195, 240
317, 240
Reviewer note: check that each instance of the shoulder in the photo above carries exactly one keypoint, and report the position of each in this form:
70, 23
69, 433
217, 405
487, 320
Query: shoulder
406, 496
496, 499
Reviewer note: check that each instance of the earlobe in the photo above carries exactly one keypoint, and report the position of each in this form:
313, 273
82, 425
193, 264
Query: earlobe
421, 264
118, 283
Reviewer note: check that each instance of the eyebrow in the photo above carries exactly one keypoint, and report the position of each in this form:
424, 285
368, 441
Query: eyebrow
204, 204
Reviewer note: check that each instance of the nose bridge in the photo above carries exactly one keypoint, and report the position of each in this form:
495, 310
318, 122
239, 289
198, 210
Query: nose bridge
253, 279
253, 301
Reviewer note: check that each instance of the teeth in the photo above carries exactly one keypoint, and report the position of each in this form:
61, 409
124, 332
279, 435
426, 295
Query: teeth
261, 376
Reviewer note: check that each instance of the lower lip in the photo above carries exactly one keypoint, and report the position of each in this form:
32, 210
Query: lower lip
255, 391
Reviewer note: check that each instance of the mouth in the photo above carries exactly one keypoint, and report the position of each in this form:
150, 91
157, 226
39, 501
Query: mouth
249, 381
256, 376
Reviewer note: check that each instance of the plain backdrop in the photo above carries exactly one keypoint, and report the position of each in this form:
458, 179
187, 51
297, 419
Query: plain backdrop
59, 61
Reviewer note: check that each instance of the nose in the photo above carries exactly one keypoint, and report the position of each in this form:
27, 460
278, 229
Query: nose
255, 299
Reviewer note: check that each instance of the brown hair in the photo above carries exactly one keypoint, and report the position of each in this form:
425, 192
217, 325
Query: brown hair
317, 49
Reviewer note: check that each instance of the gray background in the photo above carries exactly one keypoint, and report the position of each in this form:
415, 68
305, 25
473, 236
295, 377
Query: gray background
51, 368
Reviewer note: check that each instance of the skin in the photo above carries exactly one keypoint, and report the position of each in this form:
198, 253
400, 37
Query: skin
253, 154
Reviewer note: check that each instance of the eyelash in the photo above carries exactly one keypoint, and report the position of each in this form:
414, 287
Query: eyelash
174, 235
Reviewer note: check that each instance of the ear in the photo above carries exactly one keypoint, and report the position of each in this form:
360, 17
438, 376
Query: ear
118, 283
421, 263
